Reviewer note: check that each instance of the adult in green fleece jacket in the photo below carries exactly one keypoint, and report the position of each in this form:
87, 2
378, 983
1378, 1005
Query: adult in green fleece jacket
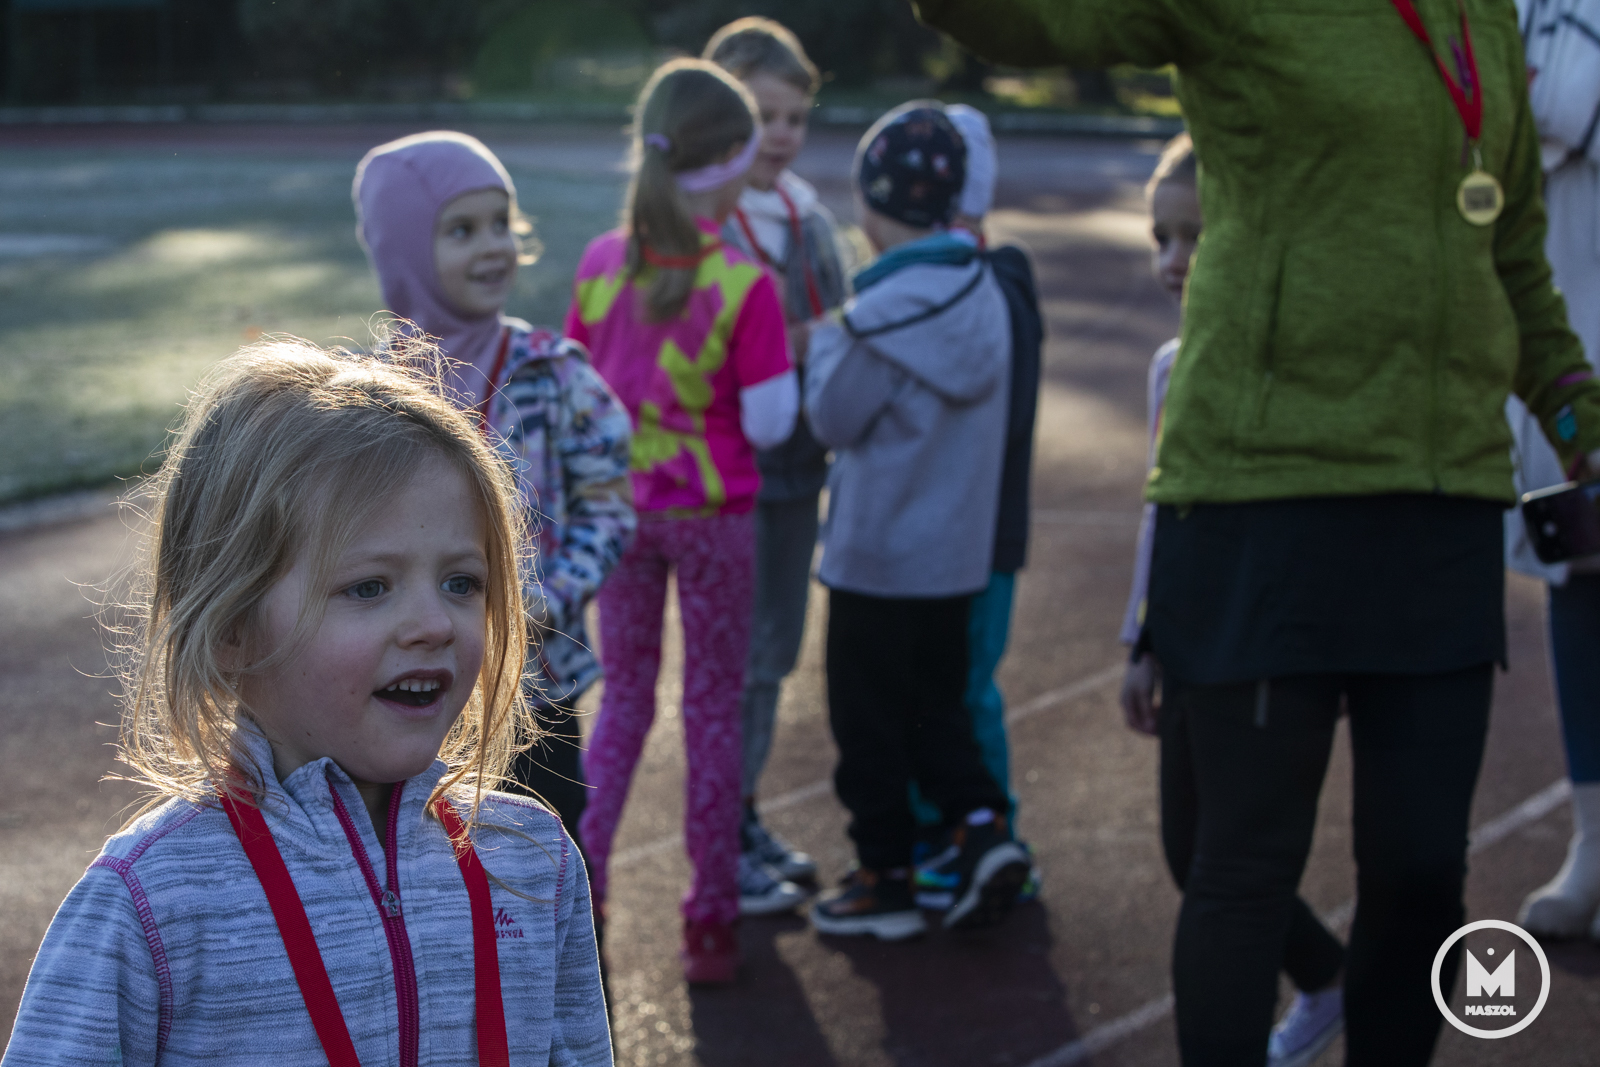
1333, 461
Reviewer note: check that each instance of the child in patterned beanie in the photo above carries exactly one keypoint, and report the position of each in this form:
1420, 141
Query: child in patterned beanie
909, 387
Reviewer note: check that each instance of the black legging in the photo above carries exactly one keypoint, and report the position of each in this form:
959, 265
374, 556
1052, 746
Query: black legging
552, 770
1259, 755
1312, 956
897, 672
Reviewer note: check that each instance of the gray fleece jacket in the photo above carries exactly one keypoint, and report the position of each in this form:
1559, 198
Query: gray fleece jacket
916, 416
167, 952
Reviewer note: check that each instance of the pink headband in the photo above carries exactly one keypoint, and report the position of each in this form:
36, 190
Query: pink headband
717, 174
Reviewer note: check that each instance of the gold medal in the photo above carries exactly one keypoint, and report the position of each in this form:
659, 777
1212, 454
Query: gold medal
1480, 198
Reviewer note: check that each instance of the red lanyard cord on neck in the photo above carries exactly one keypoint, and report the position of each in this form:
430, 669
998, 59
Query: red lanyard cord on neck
665, 262
813, 294
305, 959
1468, 98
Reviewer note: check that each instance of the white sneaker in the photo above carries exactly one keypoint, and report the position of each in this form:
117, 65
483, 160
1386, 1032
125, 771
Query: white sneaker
772, 850
1307, 1028
762, 894
1567, 905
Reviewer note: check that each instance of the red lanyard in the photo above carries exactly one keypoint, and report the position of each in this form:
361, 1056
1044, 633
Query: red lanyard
493, 382
1469, 108
813, 295
306, 960
665, 262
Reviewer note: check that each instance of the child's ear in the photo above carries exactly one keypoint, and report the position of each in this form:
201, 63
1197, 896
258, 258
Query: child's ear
233, 653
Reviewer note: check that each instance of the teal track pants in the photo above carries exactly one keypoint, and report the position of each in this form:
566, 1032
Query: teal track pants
988, 630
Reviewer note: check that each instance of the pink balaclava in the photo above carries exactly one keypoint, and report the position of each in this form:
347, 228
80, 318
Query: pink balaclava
399, 190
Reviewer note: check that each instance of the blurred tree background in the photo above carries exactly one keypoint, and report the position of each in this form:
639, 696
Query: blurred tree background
200, 51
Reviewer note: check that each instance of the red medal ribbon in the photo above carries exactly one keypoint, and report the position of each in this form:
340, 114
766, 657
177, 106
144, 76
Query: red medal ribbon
1469, 107
305, 959
493, 1048
813, 294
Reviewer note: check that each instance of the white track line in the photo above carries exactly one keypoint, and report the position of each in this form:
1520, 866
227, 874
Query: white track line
639, 853
1148, 1014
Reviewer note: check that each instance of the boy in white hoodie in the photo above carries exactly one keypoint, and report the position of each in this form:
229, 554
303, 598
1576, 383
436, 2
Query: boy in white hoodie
910, 388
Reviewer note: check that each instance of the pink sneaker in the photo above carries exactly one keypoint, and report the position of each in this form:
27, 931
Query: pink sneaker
710, 952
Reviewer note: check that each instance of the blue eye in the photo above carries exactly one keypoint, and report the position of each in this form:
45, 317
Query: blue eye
462, 585
366, 590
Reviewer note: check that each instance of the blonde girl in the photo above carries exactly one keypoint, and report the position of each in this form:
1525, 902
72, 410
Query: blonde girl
325, 687
780, 221
690, 334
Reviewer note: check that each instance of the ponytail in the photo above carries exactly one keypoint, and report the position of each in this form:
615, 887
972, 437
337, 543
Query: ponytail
690, 114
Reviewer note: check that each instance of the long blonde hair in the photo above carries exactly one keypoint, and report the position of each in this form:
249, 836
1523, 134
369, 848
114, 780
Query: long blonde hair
690, 114
754, 45
281, 455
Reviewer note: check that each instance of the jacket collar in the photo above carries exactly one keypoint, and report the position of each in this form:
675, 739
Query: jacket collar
300, 808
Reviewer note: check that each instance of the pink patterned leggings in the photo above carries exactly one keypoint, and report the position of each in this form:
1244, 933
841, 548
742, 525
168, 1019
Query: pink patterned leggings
715, 563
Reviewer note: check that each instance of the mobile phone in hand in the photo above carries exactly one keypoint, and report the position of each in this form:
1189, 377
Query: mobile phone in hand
1563, 521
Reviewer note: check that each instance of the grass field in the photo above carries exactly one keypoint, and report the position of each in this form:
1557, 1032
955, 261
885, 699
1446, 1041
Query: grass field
124, 273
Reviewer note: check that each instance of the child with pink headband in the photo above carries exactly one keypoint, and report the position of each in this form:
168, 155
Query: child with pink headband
690, 334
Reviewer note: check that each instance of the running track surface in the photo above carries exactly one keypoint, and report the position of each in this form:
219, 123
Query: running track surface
1080, 977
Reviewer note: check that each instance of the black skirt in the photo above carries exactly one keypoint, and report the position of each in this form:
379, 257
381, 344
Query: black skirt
1407, 584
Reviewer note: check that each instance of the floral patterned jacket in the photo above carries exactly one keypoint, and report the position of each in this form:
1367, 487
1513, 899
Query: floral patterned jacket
566, 436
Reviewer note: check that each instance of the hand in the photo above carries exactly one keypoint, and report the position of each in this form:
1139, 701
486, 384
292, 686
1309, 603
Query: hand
1588, 467
1139, 702
800, 341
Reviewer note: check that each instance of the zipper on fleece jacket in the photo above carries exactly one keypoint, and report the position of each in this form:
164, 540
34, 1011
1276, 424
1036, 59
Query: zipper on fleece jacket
387, 900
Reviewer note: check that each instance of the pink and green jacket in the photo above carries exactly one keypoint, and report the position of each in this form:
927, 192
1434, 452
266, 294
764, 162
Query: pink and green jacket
680, 380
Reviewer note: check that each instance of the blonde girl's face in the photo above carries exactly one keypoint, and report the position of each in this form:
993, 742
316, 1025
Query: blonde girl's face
475, 252
1175, 225
785, 114
379, 682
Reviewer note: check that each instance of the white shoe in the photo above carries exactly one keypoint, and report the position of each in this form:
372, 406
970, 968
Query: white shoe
762, 894
1566, 906
772, 850
1307, 1028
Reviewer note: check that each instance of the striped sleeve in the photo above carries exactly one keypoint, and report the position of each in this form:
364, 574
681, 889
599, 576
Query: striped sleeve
98, 993
581, 1035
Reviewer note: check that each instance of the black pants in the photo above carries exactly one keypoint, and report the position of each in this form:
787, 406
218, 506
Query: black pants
897, 673
552, 770
1312, 956
1260, 751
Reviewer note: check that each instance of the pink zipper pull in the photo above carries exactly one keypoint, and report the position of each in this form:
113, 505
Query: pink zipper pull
391, 904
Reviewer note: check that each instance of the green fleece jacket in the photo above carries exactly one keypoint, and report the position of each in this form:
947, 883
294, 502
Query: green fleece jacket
1346, 330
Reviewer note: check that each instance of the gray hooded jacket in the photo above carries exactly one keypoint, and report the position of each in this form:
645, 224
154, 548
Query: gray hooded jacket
916, 417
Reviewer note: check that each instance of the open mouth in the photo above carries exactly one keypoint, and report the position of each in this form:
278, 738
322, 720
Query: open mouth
492, 276
412, 692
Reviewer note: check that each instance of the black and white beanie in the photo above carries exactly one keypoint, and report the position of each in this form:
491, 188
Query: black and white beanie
911, 165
